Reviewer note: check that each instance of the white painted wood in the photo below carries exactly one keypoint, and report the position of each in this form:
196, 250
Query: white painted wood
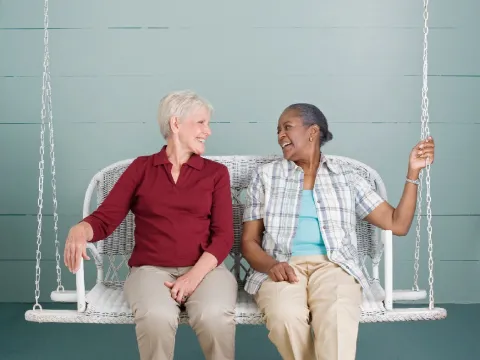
67, 296
409, 295
387, 238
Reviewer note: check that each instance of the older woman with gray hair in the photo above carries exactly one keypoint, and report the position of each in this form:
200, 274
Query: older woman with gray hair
299, 238
184, 231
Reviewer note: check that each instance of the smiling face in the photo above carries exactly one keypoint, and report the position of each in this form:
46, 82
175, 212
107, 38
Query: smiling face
193, 130
294, 136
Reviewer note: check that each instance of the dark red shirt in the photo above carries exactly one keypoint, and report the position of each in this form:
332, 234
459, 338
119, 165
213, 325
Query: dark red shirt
174, 223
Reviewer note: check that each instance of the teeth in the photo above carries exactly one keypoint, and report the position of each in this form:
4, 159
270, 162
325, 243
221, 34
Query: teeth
285, 144
201, 140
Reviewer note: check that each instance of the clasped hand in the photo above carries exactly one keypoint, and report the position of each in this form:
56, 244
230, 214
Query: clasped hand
183, 287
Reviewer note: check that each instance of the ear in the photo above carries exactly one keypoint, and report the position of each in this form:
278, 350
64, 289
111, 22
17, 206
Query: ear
314, 130
174, 124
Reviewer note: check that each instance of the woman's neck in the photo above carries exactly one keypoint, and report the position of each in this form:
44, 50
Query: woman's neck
310, 164
176, 153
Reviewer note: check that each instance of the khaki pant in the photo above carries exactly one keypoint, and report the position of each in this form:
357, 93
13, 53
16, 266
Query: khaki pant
326, 299
211, 310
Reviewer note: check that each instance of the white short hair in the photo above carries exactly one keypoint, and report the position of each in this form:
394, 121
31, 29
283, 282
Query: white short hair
180, 104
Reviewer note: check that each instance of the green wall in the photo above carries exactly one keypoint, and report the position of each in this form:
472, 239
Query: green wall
361, 63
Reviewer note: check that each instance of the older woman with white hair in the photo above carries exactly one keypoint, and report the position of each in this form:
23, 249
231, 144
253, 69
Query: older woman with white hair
184, 231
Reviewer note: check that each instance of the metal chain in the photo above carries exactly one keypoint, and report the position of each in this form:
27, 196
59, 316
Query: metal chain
425, 134
54, 185
419, 220
427, 178
41, 164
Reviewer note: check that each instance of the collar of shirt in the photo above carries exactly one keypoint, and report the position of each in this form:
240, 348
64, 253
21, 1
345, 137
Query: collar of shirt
161, 158
290, 168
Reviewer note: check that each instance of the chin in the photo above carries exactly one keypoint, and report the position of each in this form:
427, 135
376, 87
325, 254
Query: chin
287, 155
199, 150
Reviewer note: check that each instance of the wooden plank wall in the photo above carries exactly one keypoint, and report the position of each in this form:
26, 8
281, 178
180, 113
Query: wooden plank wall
361, 63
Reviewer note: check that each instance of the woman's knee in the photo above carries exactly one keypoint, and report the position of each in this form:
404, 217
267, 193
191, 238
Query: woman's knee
212, 316
212, 305
156, 319
287, 313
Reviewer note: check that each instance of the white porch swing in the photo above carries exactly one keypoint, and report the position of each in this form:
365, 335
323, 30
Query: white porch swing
105, 304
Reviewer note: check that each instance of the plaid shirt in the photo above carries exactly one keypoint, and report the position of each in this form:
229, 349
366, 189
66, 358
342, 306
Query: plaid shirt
341, 195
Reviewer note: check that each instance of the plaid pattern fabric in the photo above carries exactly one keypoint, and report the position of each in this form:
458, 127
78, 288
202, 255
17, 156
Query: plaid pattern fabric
341, 196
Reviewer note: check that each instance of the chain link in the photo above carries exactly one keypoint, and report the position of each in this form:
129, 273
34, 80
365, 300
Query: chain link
419, 220
46, 113
425, 133
41, 164
54, 184
427, 177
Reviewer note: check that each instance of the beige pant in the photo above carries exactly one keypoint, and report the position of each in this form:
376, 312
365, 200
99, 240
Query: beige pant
326, 300
211, 310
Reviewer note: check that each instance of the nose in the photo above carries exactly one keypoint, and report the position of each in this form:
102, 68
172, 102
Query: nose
208, 131
280, 135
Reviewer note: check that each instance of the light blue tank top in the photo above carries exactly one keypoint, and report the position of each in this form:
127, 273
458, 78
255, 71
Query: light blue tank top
308, 239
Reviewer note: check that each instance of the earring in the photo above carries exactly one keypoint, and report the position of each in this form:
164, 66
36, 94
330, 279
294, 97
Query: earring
310, 139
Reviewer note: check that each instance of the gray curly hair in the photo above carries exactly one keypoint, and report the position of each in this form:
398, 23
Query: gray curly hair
312, 115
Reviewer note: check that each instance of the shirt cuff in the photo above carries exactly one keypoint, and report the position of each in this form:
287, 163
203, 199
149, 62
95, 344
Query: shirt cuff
96, 228
219, 250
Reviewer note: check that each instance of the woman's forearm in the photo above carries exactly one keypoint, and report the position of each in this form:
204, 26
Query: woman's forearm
88, 230
405, 211
258, 259
206, 263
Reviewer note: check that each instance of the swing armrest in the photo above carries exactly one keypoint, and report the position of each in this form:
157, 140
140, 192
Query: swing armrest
387, 239
80, 277
95, 253
86, 211
80, 287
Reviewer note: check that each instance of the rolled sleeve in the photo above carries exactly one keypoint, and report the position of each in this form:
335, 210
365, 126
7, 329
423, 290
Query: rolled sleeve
221, 225
255, 198
366, 199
